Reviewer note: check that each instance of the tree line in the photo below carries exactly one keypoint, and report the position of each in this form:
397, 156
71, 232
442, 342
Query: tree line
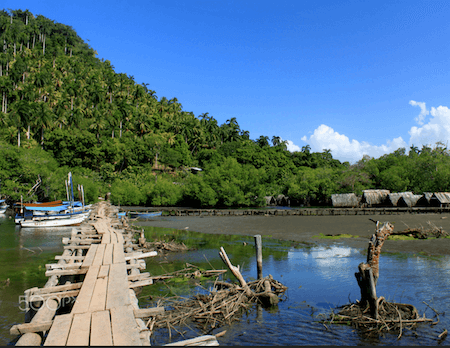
64, 110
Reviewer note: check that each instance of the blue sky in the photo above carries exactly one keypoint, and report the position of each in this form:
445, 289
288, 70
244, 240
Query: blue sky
356, 77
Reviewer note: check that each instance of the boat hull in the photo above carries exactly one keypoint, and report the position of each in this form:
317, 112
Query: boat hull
56, 222
137, 215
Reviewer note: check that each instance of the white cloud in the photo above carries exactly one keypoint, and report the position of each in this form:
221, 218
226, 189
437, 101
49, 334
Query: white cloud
437, 128
344, 149
291, 146
423, 111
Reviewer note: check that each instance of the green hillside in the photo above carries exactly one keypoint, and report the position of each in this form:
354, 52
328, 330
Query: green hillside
64, 110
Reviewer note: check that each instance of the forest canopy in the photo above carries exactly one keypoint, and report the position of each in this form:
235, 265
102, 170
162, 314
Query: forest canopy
63, 109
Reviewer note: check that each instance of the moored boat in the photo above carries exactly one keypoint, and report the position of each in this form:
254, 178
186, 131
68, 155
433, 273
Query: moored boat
144, 215
57, 221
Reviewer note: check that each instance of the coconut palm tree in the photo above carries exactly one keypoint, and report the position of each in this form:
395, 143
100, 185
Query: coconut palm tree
19, 115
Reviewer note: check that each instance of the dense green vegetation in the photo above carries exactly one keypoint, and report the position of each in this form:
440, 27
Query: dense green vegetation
65, 110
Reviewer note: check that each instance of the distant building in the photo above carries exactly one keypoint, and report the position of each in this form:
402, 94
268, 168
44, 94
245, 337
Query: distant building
408, 201
374, 198
270, 200
424, 200
282, 200
402, 199
345, 200
440, 199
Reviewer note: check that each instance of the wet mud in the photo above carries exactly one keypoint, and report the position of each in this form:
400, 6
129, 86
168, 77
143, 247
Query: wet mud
306, 229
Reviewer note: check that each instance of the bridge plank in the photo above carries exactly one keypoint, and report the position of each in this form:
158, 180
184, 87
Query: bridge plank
125, 331
90, 256
98, 259
118, 254
108, 256
84, 297
79, 331
117, 293
101, 334
57, 336
98, 301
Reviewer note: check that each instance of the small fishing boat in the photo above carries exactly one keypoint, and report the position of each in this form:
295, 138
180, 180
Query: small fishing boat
144, 215
53, 214
57, 221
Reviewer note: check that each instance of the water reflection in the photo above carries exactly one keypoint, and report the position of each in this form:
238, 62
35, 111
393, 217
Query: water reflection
319, 279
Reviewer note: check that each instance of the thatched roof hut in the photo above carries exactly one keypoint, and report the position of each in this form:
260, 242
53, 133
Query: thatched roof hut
270, 200
402, 199
440, 199
408, 200
373, 198
345, 200
282, 200
424, 200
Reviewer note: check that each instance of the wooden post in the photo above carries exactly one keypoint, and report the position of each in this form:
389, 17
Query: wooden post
258, 245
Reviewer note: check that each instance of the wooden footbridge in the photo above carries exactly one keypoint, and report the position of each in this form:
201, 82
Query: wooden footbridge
89, 298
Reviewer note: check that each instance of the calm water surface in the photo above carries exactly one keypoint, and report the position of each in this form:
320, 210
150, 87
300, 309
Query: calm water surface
318, 278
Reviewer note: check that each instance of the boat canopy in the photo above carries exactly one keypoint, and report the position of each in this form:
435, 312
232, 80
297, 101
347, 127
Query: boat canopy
75, 204
49, 208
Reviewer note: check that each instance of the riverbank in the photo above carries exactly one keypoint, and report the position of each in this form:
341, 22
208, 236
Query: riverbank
307, 229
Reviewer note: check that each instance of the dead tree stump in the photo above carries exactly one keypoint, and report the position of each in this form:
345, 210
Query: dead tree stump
368, 274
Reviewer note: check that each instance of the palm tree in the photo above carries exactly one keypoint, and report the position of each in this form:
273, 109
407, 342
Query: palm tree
263, 141
20, 111
276, 140
43, 117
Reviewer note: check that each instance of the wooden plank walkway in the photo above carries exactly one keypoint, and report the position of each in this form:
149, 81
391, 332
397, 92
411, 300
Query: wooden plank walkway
103, 312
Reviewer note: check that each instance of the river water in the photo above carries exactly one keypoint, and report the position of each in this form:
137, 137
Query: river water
319, 279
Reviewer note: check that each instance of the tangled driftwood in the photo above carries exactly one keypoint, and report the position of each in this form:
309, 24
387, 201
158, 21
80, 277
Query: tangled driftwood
422, 232
374, 314
218, 306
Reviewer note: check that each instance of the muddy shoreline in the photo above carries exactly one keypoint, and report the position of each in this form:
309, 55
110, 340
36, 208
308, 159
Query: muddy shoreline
306, 229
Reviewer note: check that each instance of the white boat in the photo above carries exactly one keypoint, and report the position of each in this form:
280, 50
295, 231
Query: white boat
54, 214
70, 220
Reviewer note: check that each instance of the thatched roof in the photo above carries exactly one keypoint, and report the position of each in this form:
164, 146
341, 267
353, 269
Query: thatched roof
270, 200
440, 198
345, 200
282, 200
393, 198
374, 197
408, 201
424, 200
